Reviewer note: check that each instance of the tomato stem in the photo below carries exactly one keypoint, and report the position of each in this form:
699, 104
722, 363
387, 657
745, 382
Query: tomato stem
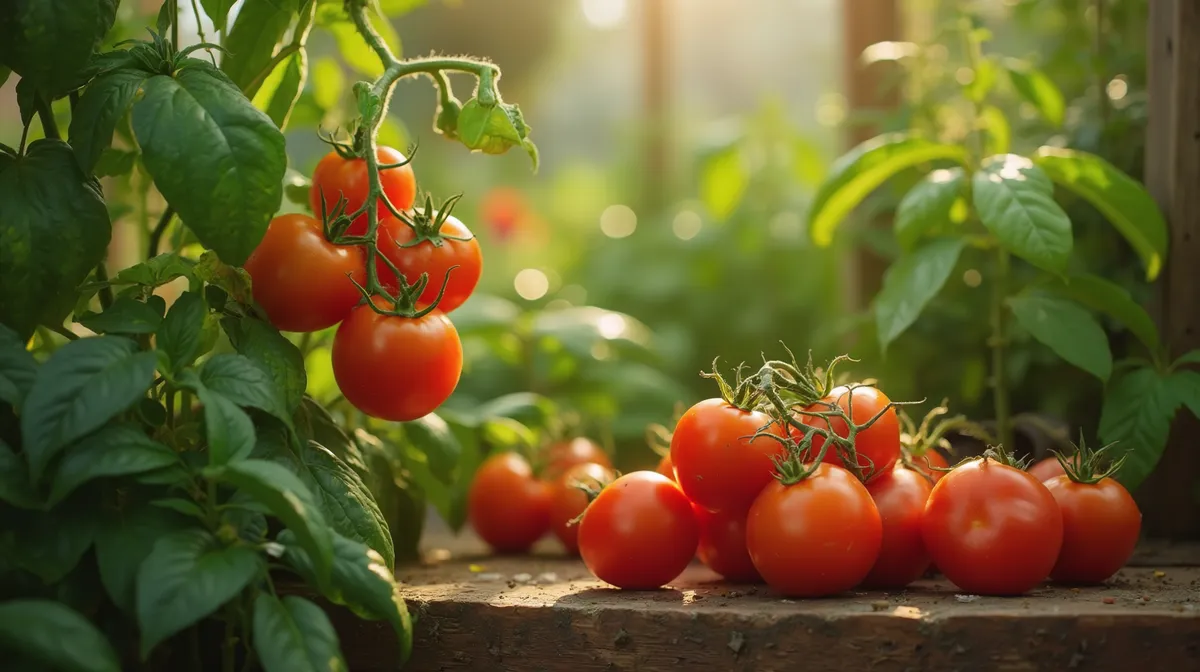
1089, 466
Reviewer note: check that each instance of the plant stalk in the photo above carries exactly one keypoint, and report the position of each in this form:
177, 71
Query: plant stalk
46, 114
106, 292
999, 345
159, 230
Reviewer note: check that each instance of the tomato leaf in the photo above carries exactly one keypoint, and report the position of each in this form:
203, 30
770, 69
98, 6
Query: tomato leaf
1037, 89
354, 50
155, 272
281, 89
14, 480
998, 133
527, 408
245, 383
49, 44
252, 41
1185, 385
113, 162
229, 431
18, 370
277, 356
232, 280
56, 636
54, 229
49, 544
329, 82
911, 283
295, 635
126, 315
926, 208
290, 500
854, 175
723, 182
188, 576
98, 111
1120, 198
215, 158
1192, 357
314, 423
1137, 413
360, 581
1014, 200
432, 436
1069, 330
494, 129
115, 450
182, 335
218, 11
123, 540
1104, 296
84, 384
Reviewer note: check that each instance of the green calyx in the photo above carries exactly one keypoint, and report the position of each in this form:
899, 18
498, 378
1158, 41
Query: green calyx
1089, 466
426, 222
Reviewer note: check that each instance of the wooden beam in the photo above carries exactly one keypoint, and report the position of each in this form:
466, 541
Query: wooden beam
1170, 498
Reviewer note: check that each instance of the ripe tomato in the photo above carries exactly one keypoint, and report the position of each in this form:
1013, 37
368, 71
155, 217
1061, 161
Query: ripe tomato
1101, 524
1046, 469
878, 447
563, 455
300, 279
992, 529
714, 463
567, 501
817, 537
506, 505
426, 257
639, 533
666, 468
929, 463
723, 545
396, 368
900, 495
335, 176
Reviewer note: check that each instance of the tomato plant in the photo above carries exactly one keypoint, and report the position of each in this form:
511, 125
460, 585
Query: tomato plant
723, 545
991, 528
639, 533
341, 174
568, 500
900, 496
438, 244
506, 505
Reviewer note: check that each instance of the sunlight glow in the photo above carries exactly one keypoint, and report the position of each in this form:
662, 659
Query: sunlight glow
1117, 88
687, 225
611, 325
618, 221
603, 13
972, 277
531, 284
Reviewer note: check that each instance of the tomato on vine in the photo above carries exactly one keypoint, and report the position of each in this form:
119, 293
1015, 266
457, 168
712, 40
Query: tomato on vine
900, 495
723, 545
395, 367
666, 467
877, 446
639, 533
337, 176
508, 508
301, 280
437, 243
567, 500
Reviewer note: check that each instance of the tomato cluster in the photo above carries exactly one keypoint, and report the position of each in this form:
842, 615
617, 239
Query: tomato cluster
390, 366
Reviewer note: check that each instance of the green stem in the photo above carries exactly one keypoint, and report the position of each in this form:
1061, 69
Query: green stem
999, 346
46, 114
228, 647
199, 23
299, 38
173, 11
159, 230
106, 292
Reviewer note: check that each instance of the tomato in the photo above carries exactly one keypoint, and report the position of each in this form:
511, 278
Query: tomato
714, 463
563, 455
1101, 524
1046, 469
503, 210
639, 533
817, 537
900, 495
878, 447
300, 279
507, 506
929, 463
434, 259
666, 468
723, 545
567, 501
992, 529
396, 368
335, 176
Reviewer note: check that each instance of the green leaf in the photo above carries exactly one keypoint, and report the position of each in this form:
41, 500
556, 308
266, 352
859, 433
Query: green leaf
84, 384
723, 181
123, 540
295, 635
360, 581
432, 436
1014, 200
397, 8
1104, 296
245, 383
494, 129
1185, 385
49, 544
279, 357
17, 368
232, 280
188, 576
253, 40
179, 505
215, 158
926, 209
56, 636
1120, 198
982, 82
98, 112
329, 83
281, 89
1137, 413
861, 170
911, 283
998, 138
115, 450
1037, 89
527, 408
182, 336
314, 423
14, 480
354, 50
1192, 357
114, 162
229, 431
125, 316
156, 272
50, 43
290, 500
1067, 329
54, 229
218, 11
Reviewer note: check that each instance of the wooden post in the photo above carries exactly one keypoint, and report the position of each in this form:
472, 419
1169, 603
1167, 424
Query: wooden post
1170, 498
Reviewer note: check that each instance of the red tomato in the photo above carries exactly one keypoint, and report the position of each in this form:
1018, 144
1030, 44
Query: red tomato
502, 210
1101, 524
714, 463
878, 447
929, 463
723, 545
666, 468
567, 501
396, 368
817, 537
1046, 469
563, 455
992, 529
639, 533
335, 176
900, 495
506, 505
436, 260
300, 279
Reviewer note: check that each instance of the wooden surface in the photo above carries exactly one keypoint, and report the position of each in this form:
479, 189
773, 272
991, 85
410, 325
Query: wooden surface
1170, 498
